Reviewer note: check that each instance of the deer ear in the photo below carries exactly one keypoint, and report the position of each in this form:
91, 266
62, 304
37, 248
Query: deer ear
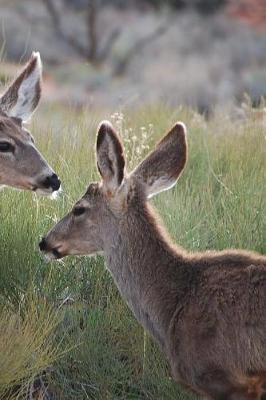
110, 157
23, 95
161, 168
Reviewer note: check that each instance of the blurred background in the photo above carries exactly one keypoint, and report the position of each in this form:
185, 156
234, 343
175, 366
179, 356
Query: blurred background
202, 53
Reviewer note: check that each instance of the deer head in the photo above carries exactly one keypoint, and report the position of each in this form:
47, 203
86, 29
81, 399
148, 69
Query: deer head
21, 164
96, 217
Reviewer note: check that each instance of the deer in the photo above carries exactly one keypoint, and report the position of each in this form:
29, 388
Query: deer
205, 310
21, 164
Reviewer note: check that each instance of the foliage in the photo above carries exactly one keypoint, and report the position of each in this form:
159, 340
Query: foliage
105, 354
202, 6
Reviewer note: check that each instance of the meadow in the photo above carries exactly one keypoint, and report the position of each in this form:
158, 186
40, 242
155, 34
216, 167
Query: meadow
63, 327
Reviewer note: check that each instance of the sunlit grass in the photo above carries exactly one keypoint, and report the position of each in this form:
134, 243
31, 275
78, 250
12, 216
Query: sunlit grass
27, 345
219, 202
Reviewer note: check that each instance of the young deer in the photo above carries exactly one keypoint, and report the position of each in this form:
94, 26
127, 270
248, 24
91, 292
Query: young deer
206, 310
21, 164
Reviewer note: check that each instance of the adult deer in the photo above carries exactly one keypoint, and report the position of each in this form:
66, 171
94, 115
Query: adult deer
206, 310
21, 164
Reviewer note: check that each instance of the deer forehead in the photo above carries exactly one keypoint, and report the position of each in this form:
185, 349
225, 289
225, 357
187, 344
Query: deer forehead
93, 189
92, 194
13, 130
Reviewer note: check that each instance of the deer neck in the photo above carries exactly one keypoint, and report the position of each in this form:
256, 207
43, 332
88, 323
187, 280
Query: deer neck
146, 269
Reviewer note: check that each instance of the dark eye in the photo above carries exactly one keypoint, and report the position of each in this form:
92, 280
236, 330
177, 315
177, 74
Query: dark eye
79, 211
6, 147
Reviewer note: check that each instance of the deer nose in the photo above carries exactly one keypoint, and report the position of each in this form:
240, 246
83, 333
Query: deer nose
52, 182
43, 245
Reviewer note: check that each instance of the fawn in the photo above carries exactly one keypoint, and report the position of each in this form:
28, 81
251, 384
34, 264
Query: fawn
207, 311
21, 164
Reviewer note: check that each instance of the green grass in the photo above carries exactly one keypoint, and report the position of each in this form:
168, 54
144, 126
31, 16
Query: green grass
91, 347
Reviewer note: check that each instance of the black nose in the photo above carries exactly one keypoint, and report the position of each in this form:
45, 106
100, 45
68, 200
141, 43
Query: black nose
52, 182
43, 245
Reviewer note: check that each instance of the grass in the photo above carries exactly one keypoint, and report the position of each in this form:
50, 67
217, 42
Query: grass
65, 322
26, 345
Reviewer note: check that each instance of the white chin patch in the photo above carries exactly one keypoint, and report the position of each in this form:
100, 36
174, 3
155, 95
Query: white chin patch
49, 193
49, 257
55, 195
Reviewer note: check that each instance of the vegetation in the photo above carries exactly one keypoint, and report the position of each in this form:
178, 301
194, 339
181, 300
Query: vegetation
204, 7
64, 323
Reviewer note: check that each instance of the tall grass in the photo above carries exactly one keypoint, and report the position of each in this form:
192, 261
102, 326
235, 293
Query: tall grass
26, 345
219, 202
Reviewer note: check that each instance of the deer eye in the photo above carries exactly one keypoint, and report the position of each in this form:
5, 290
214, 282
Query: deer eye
6, 147
79, 211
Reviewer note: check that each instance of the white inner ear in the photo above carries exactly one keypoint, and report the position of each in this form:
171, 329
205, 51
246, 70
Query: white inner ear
159, 185
26, 93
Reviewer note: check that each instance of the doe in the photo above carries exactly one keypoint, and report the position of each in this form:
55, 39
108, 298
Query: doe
207, 311
21, 164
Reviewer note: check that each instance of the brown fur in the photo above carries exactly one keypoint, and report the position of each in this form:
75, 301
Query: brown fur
106, 161
206, 310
